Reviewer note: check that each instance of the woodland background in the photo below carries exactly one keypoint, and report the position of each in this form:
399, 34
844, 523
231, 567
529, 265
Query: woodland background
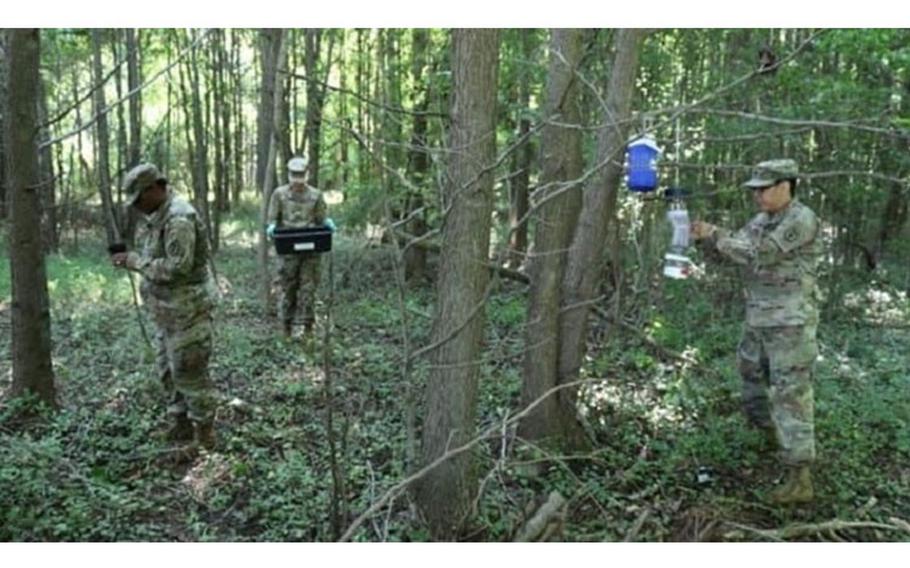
490, 276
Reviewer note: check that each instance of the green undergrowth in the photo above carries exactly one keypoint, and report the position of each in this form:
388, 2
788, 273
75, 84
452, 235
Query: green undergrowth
672, 457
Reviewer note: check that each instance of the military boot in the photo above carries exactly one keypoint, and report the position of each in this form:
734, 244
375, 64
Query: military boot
205, 435
181, 430
797, 488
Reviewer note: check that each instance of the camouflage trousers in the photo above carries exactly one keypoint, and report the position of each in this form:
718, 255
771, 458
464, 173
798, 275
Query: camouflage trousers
298, 275
777, 364
184, 347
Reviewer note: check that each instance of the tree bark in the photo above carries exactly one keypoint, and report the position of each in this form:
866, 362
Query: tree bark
48, 182
314, 100
553, 420
524, 157
586, 259
111, 219
200, 144
31, 323
122, 141
135, 101
444, 495
237, 90
268, 177
268, 57
283, 118
4, 68
415, 258
219, 111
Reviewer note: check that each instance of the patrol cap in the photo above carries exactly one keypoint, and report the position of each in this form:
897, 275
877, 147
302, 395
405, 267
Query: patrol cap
139, 179
768, 173
297, 167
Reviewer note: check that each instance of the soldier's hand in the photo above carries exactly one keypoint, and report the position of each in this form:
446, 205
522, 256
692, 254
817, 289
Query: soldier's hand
119, 259
701, 230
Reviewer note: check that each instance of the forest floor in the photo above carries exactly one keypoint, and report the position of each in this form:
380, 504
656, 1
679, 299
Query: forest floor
673, 459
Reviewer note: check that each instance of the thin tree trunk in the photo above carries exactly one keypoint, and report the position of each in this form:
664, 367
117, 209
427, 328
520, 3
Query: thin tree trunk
31, 322
200, 146
168, 125
283, 117
268, 177
111, 219
444, 495
553, 420
4, 69
586, 259
122, 143
268, 42
342, 109
237, 89
218, 110
225, 102
314, 94
135, 102
524, 156
415, 258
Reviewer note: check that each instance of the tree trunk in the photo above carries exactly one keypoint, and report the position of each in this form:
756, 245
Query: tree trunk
268, 56
218, 110
268, 177
199, 146
362, 82
4, 65
586, 259
224, 102
283, 118
415, 258
554, 420
314, 94
135, 101
524, 156
31, 322
48, 183
122, 142
342, 109
111, 218
444, 494
237, 90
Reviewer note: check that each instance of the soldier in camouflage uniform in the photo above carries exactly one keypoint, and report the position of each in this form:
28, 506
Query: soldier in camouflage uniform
172, 255
297, 205
778, 251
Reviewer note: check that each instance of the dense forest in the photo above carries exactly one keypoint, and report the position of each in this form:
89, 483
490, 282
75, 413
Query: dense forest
497, 353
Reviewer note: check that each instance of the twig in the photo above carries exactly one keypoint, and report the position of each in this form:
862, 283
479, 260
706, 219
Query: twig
798, 531
145, 334
538, 523
637, 525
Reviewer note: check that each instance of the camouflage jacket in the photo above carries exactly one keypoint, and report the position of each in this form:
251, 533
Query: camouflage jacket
779, 255
172, 254
296, 208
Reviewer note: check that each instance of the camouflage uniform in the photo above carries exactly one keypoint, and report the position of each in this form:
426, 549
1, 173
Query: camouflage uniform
178, 291
779, 254
294, 206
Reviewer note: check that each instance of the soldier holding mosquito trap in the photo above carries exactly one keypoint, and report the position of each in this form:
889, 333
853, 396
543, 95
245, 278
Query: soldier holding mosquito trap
778, 252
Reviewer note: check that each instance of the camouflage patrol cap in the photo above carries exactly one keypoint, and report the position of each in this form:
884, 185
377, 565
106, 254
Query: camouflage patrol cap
768, 173
139, 179
297, 167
